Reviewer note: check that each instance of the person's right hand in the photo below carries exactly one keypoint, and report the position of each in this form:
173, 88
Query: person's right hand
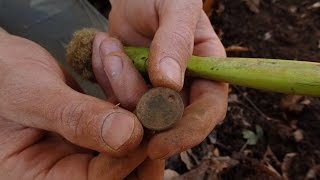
173, 30
50, 131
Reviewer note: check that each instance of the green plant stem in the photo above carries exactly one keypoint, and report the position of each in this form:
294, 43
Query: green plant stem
283, 76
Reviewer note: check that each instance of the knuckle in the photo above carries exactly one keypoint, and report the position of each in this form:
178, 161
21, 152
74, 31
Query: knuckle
184, 40
71, 119
113, 40
99, 35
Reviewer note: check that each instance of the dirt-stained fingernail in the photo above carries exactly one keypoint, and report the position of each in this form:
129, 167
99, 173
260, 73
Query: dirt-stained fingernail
117, 129
171, 69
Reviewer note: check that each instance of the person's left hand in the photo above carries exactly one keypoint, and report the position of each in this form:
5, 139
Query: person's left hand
48, 130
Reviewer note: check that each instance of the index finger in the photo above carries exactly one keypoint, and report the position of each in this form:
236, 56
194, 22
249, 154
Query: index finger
173, 42
208, 103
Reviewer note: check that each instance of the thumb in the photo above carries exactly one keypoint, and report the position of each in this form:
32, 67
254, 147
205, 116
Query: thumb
83, 120
173, 42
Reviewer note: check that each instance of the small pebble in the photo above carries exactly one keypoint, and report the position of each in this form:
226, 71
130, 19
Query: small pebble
298, 135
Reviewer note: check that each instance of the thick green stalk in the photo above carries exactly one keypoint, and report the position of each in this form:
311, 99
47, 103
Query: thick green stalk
284, 76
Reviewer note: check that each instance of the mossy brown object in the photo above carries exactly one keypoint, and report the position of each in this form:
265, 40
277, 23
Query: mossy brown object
159, 108
79, 52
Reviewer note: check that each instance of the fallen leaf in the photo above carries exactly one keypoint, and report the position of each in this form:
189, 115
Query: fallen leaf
170, 174
270, 157
236, 48
186, 159
293, 9
198, 173
220, 8
313, 173
285, 166
233, 98
291, 103
294, 124
298, 135
253, 5
273, 170
266, 170
306, 102
315, 5
216, 152
218, 164
194, 157
267, 36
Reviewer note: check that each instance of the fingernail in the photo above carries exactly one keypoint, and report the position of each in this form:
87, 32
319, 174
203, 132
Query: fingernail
112, 66
109, 46
117, 129
171, 69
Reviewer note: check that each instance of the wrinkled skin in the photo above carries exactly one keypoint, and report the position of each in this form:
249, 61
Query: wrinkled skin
174, 30
48, 130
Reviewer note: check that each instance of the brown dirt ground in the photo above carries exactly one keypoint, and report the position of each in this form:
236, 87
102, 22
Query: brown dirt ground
289, 147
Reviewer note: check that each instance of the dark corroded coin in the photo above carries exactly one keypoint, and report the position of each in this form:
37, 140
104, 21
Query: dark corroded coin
159, 108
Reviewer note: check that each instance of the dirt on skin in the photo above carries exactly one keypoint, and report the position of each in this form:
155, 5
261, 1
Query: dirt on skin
289, 147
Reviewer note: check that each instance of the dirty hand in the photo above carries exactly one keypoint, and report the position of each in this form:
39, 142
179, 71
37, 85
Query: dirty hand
174, 30
50, 131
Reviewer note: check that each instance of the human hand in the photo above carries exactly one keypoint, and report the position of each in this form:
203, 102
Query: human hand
174, 30
50, 131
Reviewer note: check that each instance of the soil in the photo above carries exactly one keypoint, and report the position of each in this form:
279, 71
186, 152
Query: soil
289, 147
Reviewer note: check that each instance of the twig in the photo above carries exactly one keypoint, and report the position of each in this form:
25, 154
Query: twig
252, 104
244, 147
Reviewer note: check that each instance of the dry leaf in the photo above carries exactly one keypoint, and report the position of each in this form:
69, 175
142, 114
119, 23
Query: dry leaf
233, 98
313, 173
298, 135
267, 170
315, 6
198, 173
273, 170
293, 9
269, 157
218, 164
291, 103
170, 174
186, 159
236, 48
253, 5
209, 167
216, 152
193, 157
285, 166
294, 124
267, 36
220, 9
